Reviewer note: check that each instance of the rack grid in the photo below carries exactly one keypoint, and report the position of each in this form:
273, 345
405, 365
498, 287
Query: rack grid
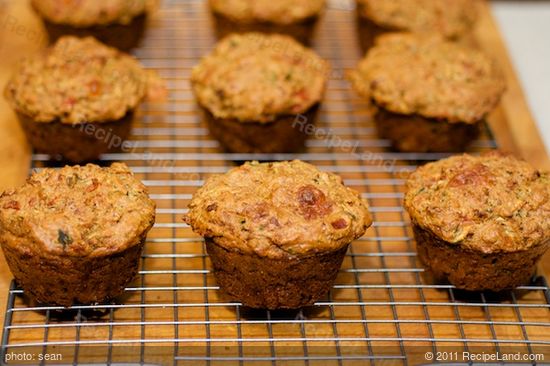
383, 308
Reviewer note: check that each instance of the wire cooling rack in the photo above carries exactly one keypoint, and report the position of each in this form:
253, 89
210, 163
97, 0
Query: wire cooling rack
382, 310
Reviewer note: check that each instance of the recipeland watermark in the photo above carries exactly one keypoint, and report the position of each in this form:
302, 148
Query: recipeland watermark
333, 141
484, 357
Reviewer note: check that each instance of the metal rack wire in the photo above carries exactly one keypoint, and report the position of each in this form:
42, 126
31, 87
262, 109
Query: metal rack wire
382, 310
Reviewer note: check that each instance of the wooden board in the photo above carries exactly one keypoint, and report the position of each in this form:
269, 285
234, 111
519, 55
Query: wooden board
21, 35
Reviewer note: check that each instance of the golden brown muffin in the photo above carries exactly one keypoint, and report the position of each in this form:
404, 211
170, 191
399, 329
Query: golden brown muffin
118, 23
432, 95
481, 223
277, 232
78, 98
295, 18
75, 235
451, 19
253, 87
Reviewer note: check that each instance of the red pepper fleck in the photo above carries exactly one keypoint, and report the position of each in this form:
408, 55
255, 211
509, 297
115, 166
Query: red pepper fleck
339, 224
70, 101
477, 175
93, 186
257, 212
14, 205
95, 87
313, 202
32, 202
302, 94
273, 221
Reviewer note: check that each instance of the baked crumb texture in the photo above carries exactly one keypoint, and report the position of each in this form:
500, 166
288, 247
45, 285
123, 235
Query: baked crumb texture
75, 83
118, 23
419, 81
253, 87
277, 232
450, 18
75, 234
293, 18
481, 223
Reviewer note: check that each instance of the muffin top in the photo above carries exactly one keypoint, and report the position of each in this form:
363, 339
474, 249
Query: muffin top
256, 78
76, 211
80, 80
277, 209
268, 11
410, 74
492, 203
448, 18
87, 13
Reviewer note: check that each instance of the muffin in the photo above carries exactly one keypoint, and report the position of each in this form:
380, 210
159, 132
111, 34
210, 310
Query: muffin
277, 233
480, 223
450, 19
77, 99
75, 235
260, 93
295, 18
430, 95
118, 23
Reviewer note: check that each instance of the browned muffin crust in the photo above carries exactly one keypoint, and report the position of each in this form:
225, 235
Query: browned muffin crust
449, 18
492, 203
86, 13
286, 283
492, 210
472, 270
426, 76
302, 31
275, 208
75, 83
439, 91
418, 134
288, 222
282, 12
256, 78
293, 18
452, 20
285, 135
118, 23
253, 86
124, 37
85, 142
74, 235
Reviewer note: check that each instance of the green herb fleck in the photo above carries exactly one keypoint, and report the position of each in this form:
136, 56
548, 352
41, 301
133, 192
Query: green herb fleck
63, 238
71, 181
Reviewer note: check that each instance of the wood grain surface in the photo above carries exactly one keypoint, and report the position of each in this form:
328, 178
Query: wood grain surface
21, 35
